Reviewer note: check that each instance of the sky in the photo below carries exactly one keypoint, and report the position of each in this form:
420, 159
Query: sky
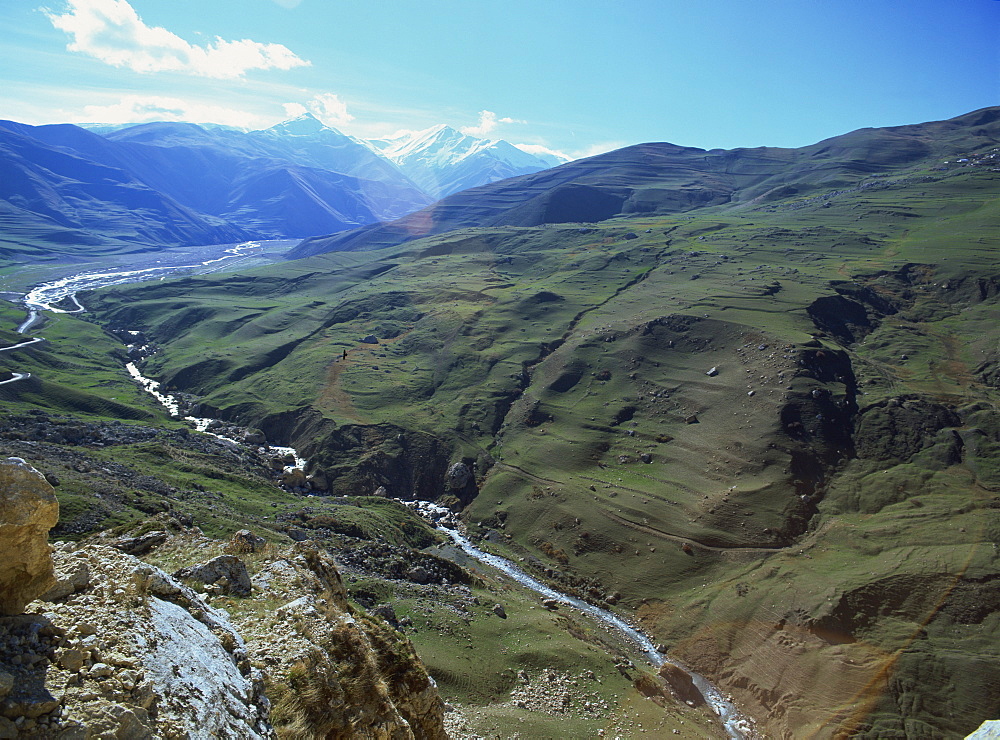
576, 77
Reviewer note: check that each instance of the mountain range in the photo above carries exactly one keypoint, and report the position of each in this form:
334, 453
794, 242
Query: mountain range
69, 190
747, 400
662, 178
443, 161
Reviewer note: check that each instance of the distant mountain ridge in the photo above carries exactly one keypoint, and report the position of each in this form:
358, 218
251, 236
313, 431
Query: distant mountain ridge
68, 190
443, 161
661, 178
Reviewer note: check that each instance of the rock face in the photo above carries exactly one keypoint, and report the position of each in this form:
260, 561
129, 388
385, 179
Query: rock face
332, 671
127, 651
121, 649
28, 510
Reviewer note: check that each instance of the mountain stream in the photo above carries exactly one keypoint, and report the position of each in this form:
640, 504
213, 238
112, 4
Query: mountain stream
43, 297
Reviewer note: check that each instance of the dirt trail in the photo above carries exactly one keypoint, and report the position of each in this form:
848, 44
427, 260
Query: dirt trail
646, 529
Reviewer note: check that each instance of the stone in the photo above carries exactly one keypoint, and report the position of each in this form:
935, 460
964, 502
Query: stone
712, 372
100, 670
550, 604
72, 575
370, 339
228, 567
500, 611
646, 458
418, 574
681, 684
71, 659
458, 476
28, 510
244, 541
142, 544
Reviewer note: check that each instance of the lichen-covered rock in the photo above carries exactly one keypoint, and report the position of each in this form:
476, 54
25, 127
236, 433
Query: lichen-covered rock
28, 510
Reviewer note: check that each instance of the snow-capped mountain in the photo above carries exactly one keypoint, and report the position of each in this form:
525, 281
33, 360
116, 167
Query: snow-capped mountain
442, 161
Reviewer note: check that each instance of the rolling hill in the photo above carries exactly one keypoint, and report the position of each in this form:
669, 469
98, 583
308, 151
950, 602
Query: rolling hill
749, 399
664, 179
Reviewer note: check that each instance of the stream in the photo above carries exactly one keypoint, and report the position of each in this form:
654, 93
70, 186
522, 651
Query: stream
43, 297
737, 727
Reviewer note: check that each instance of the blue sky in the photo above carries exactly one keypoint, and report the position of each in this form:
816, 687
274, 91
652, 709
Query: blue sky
577, 76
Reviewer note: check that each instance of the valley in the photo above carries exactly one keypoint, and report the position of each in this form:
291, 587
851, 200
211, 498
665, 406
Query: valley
759, 420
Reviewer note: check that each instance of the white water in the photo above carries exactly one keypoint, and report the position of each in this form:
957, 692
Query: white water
171, 404
44, 296
737, 727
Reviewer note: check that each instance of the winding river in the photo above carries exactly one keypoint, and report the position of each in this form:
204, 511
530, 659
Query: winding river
736, 726
62, 291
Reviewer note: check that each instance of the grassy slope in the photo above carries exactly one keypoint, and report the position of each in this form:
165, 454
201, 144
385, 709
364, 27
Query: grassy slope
535, 353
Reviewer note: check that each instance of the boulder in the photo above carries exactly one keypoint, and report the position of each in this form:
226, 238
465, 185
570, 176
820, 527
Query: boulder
228, 571
681, 684
458, 476
294, 478
418, 574
500, 611
245, 541
28, 510
72, 575
142, 544
254, 437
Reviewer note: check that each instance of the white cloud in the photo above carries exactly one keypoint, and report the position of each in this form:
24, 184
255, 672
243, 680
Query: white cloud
330, 109
111, 31
599, 148
294, 110
144, 108
488, 122
538, 149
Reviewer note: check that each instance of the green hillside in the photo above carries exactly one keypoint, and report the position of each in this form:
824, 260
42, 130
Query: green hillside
766, 428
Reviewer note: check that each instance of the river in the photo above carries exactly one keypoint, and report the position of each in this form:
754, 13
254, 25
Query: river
44, 297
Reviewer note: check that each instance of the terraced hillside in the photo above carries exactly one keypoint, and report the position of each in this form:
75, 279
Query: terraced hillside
769, 429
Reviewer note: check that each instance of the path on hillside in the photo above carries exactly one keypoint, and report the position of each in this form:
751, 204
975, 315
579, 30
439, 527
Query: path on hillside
764, 549
645, 528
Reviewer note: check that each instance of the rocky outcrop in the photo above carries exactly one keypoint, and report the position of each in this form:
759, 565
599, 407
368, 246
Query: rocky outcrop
121, 649
124, 650
331, 670
28, 510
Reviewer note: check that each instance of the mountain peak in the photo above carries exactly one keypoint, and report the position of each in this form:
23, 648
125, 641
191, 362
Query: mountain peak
303, 125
